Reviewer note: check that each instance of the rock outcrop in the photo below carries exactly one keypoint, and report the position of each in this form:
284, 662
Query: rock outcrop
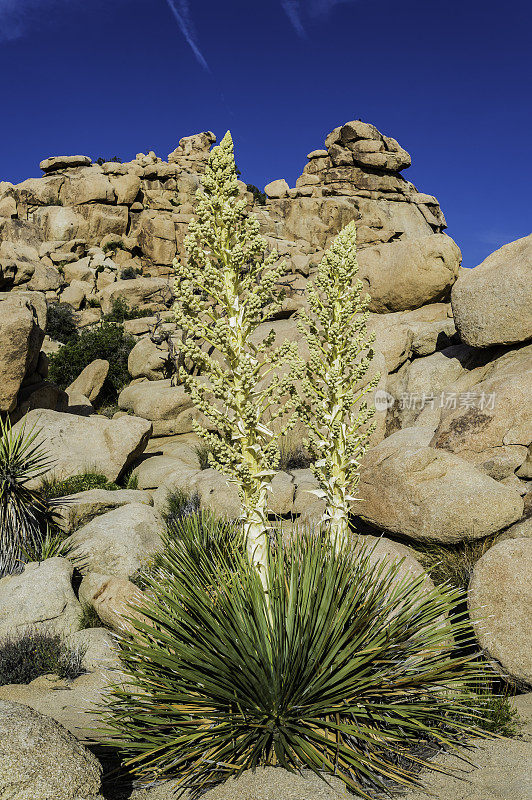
450, 460
119, 542
492, 304
500, 603
430, 495
82, 444
40, 760
40, 597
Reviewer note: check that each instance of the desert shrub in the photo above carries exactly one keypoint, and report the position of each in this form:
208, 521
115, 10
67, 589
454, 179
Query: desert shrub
107, 341
93, 302
55, 488
496, 714
293, 454
120, 311
61, 322
25, 514
453, 563
180, 504
128, 274
89, 617
203, 451
101, 160
130, 480
341, 667
258, 197
26, 656
112, 247
49, 545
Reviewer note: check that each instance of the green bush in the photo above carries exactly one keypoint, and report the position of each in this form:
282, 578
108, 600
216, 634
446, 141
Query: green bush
26, 656
120, 311
25, 514
258, 196
203, 451
61, 322
49, 545
108, 341
341, 667
53, 488
496, 714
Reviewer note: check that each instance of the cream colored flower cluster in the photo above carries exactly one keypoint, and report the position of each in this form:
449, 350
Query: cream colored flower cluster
334, 408
226, 288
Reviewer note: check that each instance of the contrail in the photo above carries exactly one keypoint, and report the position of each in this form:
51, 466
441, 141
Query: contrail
299, 10
293, 12
181, 11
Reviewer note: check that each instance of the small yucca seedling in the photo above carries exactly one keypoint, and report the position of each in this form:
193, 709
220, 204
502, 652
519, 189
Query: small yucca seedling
342, 668
24, 512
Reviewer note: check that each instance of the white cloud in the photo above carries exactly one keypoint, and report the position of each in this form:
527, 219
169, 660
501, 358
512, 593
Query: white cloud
181, 11
16, 16
294, 12
19, 16
301, 11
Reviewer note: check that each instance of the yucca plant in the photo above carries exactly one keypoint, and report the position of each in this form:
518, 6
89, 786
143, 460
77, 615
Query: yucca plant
342, 668
227, 288
24, 511
332, 404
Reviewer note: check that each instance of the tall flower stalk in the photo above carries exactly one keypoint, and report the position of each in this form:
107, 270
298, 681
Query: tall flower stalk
226, 289
333, 406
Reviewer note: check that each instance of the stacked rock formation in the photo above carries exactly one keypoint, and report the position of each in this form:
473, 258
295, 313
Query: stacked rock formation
451, 457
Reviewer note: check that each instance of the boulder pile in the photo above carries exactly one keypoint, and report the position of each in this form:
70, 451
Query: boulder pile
449, 466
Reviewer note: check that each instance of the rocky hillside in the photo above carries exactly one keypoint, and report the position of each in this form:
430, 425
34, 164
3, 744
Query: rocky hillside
450, 464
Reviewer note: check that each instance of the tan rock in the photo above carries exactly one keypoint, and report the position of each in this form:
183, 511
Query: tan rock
79, 271
266, 783
18, 262
168, 407
216, 493
500, 604
520, 530
407, 274
492, 303
497, 769
40, 597
147, 359
136, 292
88, 185
158, 470
20, 342
80, 508
55, 163
278, 188
40, 760
411, 489
119, 542
75, 294
45, 278
393, 338
77, 444
126, 187
491, 426
90, 381
114, 599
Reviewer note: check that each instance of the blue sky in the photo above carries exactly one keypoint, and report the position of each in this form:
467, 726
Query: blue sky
451, 81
